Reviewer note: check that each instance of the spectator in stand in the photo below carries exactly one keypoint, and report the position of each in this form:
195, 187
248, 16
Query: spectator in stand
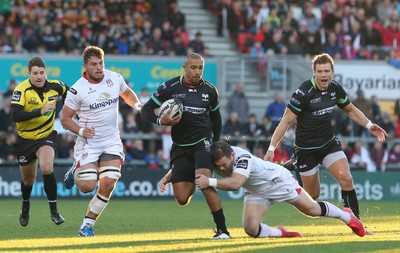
384, 10
7, 149
156, 45
176, 17
348, 52
370, 8
49, 39
370, 36
237, 102
235, 20
177, 47
68, 43
293, 46
130, 125
312, 46
379, 155
394, 158
365, 107
376, 109
152, 160
391, 35
275, 110
252, 129
6, 123
341, 124
355, 32
348, 18
266, 128
397, 108
137, 150
158, 12
248, 15
313, 23
332, 47
197, 44
11, 86
263, 13
167, 31
233, 127
30, 39
360, 157
144, 95
388, 125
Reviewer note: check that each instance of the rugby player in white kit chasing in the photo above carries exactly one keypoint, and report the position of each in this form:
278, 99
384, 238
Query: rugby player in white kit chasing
98, 150
266, 183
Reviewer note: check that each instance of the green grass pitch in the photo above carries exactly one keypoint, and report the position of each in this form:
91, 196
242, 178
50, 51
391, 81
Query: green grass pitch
163, 226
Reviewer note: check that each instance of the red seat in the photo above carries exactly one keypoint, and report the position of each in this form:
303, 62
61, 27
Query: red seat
245, 41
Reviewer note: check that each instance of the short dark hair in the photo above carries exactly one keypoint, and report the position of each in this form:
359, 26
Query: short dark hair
322, 59
221, 149
36, 61
193, 56
92, 51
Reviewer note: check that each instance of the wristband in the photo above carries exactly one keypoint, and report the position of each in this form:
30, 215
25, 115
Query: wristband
369, 125
271, 148
81, 131
212, 182
137, 107
158, 121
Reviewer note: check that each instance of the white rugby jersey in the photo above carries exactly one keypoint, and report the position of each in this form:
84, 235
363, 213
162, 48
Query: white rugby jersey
263, 177
96, 105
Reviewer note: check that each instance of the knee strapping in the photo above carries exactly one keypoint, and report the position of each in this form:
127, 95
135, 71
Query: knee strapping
87, 174
97, 204
110, 171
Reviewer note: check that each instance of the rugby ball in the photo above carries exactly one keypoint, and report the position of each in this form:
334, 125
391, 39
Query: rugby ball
175, 104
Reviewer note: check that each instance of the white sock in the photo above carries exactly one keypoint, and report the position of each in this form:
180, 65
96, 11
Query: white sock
335, 212
88, 222
267, 231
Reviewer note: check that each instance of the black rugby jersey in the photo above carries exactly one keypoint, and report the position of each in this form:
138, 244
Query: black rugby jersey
314, 109
195, 124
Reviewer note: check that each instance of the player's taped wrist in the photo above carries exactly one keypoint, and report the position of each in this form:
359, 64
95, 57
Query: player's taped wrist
137, 107
158, 121
81, 132
271, 148
212, 182
369, 125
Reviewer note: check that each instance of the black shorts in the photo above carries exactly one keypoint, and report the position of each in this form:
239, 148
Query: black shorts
26, 149
308, 159
185, 160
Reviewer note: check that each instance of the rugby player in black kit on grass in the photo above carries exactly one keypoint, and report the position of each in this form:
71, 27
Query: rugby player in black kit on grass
193, 134
312, 106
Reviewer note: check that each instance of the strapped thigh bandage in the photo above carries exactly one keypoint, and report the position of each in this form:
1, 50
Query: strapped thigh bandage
87, 174
110, 172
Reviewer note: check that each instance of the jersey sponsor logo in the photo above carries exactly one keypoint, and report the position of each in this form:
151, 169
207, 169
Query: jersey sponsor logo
204, 97
242, 164
295, 101
323, 111
33, 101
103, 101
194, 110
333, 96
73, 91
315, 100
109, 83
16, 96
52, 98
22, 159
192, 90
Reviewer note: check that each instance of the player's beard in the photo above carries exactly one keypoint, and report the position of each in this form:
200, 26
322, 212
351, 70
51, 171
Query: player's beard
96, 79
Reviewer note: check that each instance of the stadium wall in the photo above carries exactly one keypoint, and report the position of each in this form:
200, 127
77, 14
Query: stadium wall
142, 183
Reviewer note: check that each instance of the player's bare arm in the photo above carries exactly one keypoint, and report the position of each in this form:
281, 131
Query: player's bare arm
130, 97
68, 122
355, 114
232, 183
287, 120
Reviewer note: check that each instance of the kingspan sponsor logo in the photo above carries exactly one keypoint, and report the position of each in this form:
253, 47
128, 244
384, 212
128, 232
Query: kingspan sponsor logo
104, 103
194, 110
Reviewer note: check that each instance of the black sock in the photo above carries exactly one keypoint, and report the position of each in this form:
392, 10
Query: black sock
323, 207
50, 187
219, 220
350, 200
26, 191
